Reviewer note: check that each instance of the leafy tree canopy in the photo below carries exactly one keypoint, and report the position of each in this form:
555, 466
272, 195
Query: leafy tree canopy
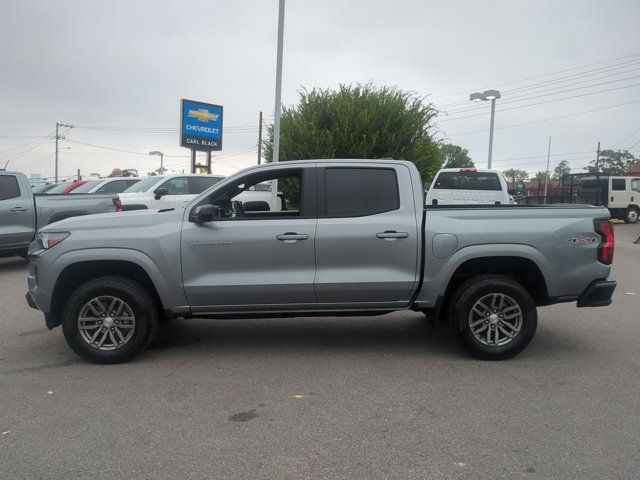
561, 169
359, 121
514, 175
455, 156
612, 162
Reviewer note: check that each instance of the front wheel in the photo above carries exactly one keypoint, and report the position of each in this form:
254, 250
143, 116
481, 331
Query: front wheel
493, 317
632, 215
109, 319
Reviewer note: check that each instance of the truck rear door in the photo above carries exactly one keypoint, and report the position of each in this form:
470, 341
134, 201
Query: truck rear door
367, 239
17, 217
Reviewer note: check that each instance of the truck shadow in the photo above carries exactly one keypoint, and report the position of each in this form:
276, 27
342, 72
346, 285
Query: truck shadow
13, 264
398, 333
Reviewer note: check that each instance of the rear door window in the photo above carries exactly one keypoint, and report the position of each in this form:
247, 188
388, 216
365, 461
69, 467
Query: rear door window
200, 184
177, 186
468, 181
9, 187
354, 192
618, 184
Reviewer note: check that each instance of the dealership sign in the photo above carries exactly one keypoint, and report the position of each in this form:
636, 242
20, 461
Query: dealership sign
200, 126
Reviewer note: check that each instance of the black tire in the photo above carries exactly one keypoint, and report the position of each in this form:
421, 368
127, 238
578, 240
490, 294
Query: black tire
137, 297
631, 215
460, 316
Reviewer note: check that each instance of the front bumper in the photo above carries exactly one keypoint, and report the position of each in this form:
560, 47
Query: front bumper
598, 294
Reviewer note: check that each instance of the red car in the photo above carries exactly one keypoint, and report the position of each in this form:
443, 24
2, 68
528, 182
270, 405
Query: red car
66, 187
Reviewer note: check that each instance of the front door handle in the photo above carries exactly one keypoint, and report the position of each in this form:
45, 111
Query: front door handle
291, 237
19, 209
391, 235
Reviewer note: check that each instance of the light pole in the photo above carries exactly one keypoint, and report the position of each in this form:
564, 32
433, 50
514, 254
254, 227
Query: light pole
492, 95
157, 152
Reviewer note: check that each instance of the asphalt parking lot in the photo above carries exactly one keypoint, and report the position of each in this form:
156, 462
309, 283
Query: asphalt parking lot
327, 398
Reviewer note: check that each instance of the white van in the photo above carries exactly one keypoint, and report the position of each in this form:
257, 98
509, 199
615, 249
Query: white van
463, 186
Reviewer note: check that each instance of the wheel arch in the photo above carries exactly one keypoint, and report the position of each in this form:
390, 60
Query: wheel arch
519, 268
75, 274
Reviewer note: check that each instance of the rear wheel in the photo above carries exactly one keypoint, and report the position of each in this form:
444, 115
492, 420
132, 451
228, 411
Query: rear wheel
109, 319
493, 317
632, 215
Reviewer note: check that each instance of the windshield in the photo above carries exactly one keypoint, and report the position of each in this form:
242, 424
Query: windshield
144, 185
635, 184
87, 186
467, 181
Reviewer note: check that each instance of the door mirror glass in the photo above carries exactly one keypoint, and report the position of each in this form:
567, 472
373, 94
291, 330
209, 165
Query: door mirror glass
203, 213
160, 192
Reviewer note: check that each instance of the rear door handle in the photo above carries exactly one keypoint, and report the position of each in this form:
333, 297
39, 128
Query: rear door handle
291, 237
19, 209
391, 235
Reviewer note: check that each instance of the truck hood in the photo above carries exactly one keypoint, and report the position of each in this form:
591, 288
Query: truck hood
116, 220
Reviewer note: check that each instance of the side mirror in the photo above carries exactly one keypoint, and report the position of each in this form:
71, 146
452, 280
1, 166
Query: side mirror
203, 213
511, 191
160, 192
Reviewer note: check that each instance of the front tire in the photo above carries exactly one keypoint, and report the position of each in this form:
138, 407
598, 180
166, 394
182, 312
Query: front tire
632, 215
109, 319
493, 317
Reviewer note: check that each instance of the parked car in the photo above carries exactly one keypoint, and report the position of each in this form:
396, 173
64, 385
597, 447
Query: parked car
43, 187
350, 237
22, 212
621, 195
166, 191
65, 187
106, 185
464, 186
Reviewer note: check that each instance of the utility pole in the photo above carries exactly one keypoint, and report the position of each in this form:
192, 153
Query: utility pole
598, 162
276, 124
59, 137
260, 140
546, 179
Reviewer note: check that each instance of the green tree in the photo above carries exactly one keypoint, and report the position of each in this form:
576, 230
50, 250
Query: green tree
612, 162
541, 177
455, 156
561, 169
359, 121
513, 175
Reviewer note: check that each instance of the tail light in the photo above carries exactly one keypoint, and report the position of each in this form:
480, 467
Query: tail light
118, 204
604, 228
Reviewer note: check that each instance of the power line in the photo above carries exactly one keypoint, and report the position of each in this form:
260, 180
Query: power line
542, 94
606, 70
544, 102
637, 54
548, 119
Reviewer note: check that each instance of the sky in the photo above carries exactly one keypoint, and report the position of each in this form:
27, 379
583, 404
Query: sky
117, 70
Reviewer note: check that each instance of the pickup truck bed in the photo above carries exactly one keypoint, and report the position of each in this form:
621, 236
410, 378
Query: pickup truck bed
354, 237
22, 213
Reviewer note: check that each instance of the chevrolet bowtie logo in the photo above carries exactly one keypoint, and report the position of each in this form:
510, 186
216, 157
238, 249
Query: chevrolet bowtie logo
203, 115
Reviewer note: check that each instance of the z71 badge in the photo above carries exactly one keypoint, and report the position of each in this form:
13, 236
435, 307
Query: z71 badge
583, 240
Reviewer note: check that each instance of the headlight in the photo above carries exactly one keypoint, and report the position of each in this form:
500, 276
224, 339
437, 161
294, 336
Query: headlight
50, 239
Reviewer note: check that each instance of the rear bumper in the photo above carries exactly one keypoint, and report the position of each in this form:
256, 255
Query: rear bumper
598, 294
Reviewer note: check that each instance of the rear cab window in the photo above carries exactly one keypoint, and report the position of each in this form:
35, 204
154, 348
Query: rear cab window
486, 181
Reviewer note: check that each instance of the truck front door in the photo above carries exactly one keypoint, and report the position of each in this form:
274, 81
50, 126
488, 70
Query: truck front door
255, 258
17, 218
367, 241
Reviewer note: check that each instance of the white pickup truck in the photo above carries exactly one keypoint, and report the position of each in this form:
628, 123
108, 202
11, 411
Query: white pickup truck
466, 186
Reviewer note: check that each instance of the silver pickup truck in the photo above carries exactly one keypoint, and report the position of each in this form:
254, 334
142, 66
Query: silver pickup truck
22, 212
346, 237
